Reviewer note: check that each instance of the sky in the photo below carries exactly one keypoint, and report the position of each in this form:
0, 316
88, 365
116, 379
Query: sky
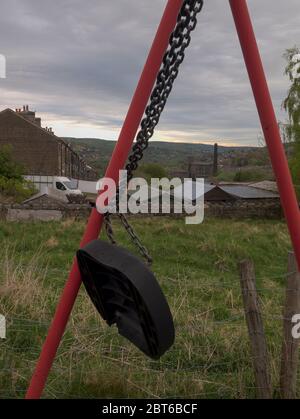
77, 64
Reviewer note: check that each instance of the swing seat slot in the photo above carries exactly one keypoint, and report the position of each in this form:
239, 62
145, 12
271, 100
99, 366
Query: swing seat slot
126, 293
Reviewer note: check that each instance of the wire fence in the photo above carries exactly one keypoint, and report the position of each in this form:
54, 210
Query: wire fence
212, 341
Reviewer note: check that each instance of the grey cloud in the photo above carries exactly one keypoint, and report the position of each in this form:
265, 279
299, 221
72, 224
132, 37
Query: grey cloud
81, 60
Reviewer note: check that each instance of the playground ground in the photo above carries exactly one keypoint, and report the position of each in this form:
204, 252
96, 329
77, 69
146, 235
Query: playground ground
197, 267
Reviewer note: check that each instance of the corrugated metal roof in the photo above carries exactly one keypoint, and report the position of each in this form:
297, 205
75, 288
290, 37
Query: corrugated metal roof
267, 185
248, 192
192, 190
241, 191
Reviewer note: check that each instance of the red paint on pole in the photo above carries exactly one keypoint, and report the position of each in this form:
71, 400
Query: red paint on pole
268, 119
118, 161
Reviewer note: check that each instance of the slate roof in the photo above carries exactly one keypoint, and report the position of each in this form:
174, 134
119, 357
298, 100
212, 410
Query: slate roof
225, 192
193, 191
248, 192
267, 185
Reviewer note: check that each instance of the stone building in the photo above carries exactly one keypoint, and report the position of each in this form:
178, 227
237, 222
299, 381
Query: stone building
38, 149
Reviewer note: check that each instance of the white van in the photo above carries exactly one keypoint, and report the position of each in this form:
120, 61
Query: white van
55, 185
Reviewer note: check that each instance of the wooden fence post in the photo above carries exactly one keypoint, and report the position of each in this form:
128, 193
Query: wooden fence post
256, 330
290, 347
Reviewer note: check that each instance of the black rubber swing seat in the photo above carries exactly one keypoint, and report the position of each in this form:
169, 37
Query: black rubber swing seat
126, 293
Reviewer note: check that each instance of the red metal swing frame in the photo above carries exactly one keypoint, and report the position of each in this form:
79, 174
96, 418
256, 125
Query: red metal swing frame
123, 147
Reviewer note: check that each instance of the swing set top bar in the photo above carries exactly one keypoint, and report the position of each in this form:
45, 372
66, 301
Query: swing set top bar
139, 102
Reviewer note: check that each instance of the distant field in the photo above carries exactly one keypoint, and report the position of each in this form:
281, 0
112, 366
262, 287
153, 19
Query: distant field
197, 268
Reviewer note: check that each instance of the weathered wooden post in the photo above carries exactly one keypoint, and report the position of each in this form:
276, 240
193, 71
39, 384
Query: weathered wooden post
290, 347
256, 330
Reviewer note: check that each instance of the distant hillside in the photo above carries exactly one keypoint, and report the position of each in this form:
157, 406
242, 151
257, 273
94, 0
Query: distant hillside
97, 152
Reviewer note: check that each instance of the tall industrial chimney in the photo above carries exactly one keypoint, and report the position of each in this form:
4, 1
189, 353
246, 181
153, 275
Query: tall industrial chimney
216, 163
190, 163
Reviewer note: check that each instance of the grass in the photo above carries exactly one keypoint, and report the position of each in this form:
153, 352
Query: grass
197, 269
246, 174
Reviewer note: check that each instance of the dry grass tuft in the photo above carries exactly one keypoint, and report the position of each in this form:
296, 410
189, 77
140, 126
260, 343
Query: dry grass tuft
22, 285
68, 223
52, 243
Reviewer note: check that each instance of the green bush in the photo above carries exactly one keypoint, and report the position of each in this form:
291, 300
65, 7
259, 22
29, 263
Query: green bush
9, 169
12, 183
151, 170
18, 189
226, 176
249, 176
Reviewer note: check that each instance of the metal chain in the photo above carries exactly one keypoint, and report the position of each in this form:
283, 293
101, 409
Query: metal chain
134, 237
173, 58
109, 229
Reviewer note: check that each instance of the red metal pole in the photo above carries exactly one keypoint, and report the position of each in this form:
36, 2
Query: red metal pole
268, 119
117, 163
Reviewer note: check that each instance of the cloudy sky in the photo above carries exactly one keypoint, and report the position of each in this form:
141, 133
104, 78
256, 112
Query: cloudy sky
77, 63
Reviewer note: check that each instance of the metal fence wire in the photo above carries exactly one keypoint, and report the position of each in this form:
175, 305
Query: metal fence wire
212, 342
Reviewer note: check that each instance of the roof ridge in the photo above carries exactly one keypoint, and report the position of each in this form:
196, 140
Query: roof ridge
55, 137
32, 123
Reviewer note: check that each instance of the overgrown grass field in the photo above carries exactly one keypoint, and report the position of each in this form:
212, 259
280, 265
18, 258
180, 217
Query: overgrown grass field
197, 267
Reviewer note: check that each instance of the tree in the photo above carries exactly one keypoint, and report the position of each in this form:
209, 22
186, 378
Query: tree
151, 170
9, 169
291, 105
12, 183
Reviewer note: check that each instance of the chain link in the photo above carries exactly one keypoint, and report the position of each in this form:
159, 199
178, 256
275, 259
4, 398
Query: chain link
109, 228
173, 58
134, 237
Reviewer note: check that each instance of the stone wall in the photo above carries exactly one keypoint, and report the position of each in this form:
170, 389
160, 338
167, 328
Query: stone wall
47, 210
33, 147
14, 214
241, 209
245, 208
